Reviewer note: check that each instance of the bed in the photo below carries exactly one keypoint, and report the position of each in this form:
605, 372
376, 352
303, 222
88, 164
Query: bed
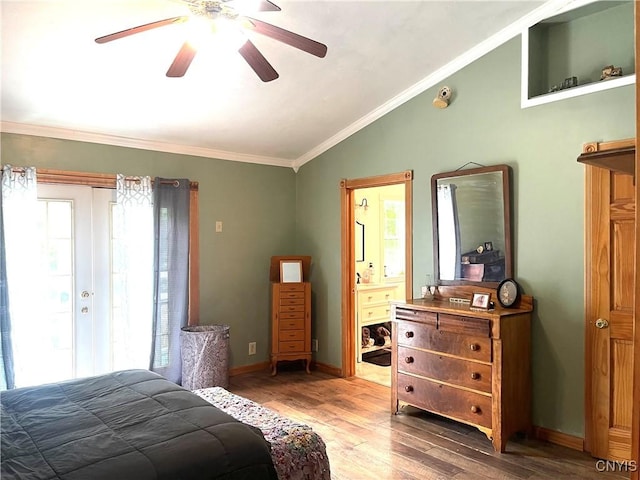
132, 424
297, 451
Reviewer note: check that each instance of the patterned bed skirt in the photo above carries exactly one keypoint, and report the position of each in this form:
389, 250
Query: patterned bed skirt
298, 452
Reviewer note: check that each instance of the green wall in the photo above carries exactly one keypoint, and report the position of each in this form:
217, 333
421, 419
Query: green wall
272, 211
254, 202
485, 124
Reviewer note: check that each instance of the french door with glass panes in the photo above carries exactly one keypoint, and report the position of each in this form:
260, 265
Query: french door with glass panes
72, 336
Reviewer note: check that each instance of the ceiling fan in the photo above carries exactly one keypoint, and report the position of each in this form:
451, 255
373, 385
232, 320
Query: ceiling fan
225, 11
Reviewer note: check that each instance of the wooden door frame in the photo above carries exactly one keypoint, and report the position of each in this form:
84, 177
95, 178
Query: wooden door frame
635, 420
347, 227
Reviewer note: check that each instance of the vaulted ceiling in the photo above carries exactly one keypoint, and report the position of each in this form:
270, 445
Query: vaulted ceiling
58, 82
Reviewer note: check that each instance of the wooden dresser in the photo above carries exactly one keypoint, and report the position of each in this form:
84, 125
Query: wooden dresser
290, 315
473, 366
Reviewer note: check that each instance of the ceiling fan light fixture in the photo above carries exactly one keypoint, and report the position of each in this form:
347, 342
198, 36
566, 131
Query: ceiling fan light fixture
198, 31
229, 26
228, 34
211, 9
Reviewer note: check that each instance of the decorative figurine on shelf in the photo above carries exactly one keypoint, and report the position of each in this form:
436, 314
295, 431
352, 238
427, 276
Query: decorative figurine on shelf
610, 71
569, 82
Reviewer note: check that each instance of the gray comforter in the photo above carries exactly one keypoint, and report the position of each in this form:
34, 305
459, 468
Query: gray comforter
125, 425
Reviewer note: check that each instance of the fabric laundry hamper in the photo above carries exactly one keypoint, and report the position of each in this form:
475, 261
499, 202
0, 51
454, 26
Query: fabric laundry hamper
205, 356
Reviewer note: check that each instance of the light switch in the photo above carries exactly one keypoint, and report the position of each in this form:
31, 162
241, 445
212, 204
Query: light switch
218, 227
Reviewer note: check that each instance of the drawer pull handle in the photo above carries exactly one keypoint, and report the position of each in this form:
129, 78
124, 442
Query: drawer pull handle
475, 376
408, 334
408, 389
408, 359
475, 409
474, 346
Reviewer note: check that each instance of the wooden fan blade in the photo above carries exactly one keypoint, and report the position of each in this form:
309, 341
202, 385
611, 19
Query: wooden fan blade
256, 60
140, 28
285, 36
250, 6
267, 6
182, 61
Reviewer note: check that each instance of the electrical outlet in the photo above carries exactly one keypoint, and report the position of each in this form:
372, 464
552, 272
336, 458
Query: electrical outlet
314, 345
218, 226
252, 348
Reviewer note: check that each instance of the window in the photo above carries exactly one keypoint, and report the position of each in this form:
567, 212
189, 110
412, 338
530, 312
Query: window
393, 237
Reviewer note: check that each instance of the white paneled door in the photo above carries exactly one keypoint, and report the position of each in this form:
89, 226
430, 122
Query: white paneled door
71, 336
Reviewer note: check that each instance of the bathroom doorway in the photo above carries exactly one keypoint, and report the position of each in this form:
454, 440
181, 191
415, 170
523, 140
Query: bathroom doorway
380, 269
377, 268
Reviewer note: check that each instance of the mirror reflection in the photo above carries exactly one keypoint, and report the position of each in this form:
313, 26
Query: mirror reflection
472, 225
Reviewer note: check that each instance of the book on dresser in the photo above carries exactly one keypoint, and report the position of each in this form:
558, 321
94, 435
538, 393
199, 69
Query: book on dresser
290, 310
469, 365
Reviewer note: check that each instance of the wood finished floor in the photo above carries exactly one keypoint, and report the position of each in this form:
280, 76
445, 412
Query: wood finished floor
364, 441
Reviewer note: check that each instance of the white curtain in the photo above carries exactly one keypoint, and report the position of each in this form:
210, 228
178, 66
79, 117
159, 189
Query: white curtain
449, 243
132, 289
20, 216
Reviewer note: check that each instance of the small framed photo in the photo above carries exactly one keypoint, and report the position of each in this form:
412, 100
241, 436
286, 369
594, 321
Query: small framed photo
488, 246
480, 300
291, 271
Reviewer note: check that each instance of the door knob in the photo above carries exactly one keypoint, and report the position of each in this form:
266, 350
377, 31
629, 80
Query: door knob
601, 323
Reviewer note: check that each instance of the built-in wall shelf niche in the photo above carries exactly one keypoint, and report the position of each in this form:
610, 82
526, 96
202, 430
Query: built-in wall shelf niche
579, 41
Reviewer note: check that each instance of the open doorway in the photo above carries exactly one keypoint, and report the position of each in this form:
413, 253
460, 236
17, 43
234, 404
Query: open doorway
380, 268
377, 268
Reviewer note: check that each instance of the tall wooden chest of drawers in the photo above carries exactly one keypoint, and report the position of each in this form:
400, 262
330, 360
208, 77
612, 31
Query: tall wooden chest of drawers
290, 316
473, 366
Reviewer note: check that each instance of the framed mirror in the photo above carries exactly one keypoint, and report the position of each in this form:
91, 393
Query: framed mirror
291, 271
472, 226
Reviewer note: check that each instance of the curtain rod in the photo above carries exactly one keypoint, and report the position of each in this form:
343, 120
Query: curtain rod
175, 183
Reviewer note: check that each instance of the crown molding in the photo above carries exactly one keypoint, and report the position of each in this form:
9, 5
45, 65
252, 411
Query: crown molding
548, 9
81, 136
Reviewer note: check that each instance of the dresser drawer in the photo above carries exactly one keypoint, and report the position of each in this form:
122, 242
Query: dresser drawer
290, 295
291, 347
291, 308
291, 315
292, 299
375, 296
446, 369
291, 287
291, 335
428, 318
377, 314
466, 325
471, 407
291, 324
417, 335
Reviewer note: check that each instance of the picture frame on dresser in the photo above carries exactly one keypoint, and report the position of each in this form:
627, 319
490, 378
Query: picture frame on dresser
480, 300
290, 271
